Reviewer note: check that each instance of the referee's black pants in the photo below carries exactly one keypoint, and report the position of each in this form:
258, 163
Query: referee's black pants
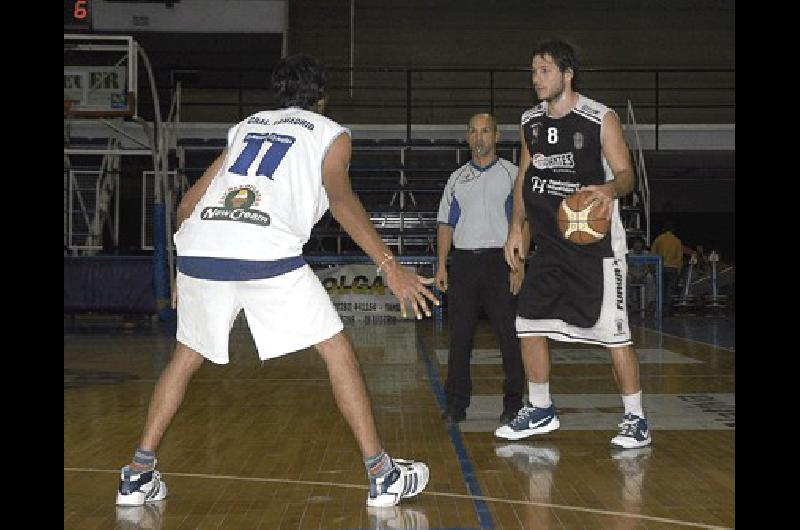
480, 279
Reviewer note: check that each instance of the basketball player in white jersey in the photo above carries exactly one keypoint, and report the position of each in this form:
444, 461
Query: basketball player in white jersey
571, 292
241, 231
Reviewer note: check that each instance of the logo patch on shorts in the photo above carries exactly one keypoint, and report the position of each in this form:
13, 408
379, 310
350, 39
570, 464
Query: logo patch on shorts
236, 206
620, 327
620, 294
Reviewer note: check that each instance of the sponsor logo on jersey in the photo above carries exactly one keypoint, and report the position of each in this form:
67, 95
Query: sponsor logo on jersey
588, 109
561, 161
560, 188
577, 139
538, 184
236, 206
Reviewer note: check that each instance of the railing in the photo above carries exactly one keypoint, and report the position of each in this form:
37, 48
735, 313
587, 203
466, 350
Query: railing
640, 170
446, 95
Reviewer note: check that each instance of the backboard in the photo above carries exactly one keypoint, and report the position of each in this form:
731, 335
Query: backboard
100, 75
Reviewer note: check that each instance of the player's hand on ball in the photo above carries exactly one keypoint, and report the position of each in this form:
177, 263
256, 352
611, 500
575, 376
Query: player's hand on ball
603, 195
408, 286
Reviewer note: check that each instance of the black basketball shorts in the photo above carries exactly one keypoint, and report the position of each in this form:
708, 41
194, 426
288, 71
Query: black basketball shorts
574, 298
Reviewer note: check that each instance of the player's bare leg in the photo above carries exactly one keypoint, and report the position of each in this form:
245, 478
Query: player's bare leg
350, 391
168, 394
140, 483
536, 359
538, 416
633, 430
387, 477
625, 362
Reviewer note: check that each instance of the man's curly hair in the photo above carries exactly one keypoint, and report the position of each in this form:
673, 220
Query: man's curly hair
299, 81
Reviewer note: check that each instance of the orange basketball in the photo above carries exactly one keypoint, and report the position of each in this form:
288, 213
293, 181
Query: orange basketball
577, 221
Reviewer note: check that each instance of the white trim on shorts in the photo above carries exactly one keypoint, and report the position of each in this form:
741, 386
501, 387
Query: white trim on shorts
611, 328
285, 313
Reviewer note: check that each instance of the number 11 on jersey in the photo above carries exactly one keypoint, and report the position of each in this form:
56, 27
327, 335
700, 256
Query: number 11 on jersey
280, 144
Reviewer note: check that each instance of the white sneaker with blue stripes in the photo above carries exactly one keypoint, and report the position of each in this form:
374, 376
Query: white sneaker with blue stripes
135, 489
406, 479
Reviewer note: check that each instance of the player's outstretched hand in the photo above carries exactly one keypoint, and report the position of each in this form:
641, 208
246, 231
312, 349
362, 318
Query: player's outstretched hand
409, 287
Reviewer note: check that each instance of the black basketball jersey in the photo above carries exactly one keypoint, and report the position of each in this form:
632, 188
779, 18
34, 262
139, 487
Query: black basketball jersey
565, 154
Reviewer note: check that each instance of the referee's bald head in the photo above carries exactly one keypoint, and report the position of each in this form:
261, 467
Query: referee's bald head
483, 116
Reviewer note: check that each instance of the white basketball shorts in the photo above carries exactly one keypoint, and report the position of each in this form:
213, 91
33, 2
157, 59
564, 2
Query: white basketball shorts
285, 313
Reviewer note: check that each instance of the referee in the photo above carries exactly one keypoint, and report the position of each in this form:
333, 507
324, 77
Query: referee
473, 216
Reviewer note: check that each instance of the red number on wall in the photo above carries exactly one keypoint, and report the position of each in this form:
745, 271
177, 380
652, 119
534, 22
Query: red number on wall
80, 11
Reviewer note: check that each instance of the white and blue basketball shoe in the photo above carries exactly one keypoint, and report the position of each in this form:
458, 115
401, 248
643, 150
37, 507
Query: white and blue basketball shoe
633, 432
406, 479
135, 489
530, 420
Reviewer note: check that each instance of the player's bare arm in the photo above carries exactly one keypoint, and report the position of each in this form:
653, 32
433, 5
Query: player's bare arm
196, 192
517, 276
615, 150
513, 250
347, 209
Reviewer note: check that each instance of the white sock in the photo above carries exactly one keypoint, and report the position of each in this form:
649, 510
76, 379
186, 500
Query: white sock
633, 404
539, 394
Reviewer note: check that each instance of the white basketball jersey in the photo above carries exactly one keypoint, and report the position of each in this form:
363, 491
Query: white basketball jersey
268, 194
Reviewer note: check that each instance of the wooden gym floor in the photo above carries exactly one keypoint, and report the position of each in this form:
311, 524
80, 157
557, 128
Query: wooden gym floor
264, 446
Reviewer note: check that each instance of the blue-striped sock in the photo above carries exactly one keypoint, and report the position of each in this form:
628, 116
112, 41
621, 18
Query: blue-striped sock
378, 465
144, 460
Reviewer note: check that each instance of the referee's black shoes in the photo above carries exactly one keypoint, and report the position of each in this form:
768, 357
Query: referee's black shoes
452, 415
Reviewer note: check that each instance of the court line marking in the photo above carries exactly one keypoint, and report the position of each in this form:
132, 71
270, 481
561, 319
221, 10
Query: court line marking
484, 517
732, 350
605, 377
427, 492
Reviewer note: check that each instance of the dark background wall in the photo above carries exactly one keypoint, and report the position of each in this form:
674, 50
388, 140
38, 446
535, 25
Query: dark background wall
609, 33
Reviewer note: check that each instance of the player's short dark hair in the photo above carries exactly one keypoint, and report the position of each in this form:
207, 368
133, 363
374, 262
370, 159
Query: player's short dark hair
563, 55
299, 81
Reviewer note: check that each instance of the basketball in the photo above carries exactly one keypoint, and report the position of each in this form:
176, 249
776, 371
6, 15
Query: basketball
578, 222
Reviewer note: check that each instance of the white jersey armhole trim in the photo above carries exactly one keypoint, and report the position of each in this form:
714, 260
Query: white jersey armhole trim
232, 134
603, 123
337, 134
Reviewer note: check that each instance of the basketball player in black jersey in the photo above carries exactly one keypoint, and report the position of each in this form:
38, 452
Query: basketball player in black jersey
571, 292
